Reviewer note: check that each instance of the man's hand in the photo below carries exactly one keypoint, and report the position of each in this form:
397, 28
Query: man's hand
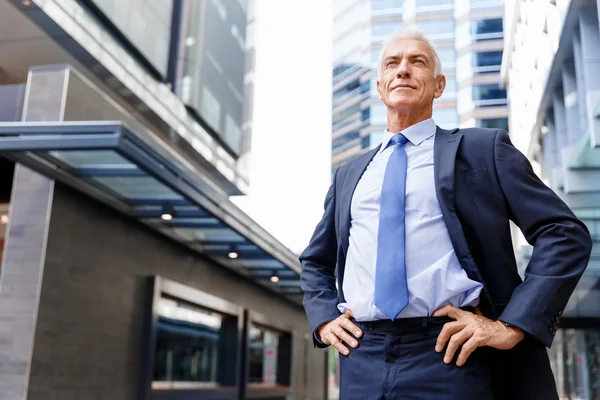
336, 331
473, 330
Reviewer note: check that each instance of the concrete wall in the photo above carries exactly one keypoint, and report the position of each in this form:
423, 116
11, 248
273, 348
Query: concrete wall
89, 328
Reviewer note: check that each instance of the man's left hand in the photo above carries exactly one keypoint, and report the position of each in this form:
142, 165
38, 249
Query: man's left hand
473, 330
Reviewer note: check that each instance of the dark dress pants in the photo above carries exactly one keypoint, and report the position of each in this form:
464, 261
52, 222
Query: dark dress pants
397, 360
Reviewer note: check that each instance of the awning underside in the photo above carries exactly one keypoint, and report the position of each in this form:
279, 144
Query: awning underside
108, 161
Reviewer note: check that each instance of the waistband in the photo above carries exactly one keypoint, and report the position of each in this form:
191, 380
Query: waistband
406, 325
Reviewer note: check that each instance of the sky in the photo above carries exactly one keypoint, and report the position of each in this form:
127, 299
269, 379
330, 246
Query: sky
290, 161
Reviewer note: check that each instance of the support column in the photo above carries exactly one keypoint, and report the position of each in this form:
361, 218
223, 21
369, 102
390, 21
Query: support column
581, 82
570, 105
26, 239
590, 47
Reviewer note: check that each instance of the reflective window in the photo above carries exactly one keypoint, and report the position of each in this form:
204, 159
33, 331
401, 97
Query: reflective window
487, 29
433, 3
385, 28
487, 26
193, 343
346, 113
496, 123
212, 58
488, 92
440, 27
146, 24
269, 352
488, 58
342, 140
385, 4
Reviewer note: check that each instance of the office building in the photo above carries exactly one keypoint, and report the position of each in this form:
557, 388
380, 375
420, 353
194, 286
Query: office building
468, 36
550, 69
127, 273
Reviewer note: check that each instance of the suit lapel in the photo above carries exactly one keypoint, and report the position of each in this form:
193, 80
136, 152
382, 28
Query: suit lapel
444, 153
355, 172
444, 158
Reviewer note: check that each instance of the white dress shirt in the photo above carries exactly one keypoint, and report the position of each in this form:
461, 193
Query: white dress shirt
434, 274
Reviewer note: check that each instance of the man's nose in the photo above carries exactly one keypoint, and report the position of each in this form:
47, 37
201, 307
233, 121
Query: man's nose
403, 70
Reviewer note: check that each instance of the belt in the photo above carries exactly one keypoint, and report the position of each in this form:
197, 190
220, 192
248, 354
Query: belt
406, 325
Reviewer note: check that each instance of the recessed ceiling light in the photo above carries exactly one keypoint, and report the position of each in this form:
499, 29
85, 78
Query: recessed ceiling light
4, 219
166, 216
274, 279
233, 255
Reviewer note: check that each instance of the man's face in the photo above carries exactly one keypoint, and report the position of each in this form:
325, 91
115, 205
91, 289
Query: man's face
407, 79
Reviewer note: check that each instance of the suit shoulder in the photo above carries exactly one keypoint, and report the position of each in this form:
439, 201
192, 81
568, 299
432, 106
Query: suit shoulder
479, 134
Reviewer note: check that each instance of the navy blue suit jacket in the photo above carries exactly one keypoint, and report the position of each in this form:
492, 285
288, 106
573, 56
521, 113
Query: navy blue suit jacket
482, 182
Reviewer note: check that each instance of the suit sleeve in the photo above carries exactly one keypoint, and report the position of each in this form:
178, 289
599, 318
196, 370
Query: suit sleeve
561, 244
318, 269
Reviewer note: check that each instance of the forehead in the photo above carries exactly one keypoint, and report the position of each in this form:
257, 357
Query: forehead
406, 47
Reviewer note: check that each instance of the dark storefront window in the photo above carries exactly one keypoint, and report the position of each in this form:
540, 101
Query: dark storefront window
193, 344
145, 24
211, 63
269, 356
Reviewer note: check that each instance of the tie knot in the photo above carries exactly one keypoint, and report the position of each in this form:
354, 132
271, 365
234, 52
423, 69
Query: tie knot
398, 138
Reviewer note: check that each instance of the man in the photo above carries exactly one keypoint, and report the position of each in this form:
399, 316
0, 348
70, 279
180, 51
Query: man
428, 302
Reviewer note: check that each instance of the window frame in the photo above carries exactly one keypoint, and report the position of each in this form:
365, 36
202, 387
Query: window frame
157, 287
258, 390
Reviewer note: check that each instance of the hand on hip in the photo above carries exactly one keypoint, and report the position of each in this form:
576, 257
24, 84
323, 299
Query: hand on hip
473, 330
336, 333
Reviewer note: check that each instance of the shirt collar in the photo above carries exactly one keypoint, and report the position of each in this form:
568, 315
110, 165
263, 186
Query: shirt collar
415, 134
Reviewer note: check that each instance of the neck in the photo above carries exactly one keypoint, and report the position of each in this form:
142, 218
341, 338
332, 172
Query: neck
398, 120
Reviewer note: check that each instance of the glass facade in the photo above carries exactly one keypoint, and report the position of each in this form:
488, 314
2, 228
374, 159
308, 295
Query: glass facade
190, 344
144, 23
212, 58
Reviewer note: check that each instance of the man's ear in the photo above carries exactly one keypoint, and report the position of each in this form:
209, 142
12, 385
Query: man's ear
379, 88
440, 85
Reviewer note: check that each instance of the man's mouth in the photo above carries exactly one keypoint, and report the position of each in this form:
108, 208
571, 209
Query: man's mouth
403, 86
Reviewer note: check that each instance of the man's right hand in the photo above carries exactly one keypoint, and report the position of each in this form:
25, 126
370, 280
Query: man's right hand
336, 331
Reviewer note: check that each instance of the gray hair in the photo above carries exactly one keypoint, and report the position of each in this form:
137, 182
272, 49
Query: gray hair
410, 32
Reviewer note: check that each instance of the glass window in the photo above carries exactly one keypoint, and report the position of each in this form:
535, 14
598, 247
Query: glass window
385, 28
488, 58
487, 26
145, 24
267, 348
496, 123
488, 92
193, 343
213, 62
440, 27
385, 4
433, 3
344, 114
343, 140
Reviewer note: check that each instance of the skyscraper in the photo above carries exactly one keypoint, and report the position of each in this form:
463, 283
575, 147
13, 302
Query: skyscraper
551, 72
468, 36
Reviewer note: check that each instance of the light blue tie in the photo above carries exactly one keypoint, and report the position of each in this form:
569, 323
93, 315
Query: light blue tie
391, 288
